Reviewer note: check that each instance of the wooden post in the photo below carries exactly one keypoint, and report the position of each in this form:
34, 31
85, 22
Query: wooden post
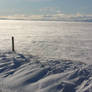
13, 44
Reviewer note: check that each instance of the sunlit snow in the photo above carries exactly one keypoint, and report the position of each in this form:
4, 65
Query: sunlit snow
51, 56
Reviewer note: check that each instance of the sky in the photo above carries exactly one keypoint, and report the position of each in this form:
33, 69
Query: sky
40, 8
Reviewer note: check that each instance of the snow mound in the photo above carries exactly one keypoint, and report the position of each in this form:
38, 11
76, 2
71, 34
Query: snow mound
25, 73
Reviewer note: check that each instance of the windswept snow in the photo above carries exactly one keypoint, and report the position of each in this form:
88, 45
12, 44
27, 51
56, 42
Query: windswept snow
49, 39
25, 73
51, 56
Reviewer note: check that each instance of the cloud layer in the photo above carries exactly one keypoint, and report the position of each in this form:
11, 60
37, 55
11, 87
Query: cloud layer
55, 17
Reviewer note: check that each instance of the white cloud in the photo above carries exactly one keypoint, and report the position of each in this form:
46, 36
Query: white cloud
50, 10
57, 16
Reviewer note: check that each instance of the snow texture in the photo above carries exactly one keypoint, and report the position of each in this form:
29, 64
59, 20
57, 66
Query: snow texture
25, 73
49, 39
51, 56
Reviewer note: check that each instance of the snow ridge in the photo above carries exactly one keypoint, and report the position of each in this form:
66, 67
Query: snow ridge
25, 73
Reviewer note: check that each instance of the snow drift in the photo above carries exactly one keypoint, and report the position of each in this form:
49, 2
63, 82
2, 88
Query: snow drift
26, 73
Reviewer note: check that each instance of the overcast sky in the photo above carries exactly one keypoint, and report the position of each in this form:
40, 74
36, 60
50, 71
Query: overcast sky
34, 7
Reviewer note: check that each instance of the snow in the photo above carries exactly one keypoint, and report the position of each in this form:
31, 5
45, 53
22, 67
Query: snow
49, 39
49, 57
22, 73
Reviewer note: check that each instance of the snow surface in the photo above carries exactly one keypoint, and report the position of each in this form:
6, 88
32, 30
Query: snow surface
49, 39
25, 73
50, 56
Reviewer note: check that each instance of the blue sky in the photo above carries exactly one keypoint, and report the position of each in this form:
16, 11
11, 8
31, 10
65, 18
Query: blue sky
29, 7
47, 8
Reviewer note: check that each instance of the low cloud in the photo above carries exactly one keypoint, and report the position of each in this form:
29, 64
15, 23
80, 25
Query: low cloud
50, 10
59, 17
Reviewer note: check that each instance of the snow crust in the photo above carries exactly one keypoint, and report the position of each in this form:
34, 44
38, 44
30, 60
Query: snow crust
26, 73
